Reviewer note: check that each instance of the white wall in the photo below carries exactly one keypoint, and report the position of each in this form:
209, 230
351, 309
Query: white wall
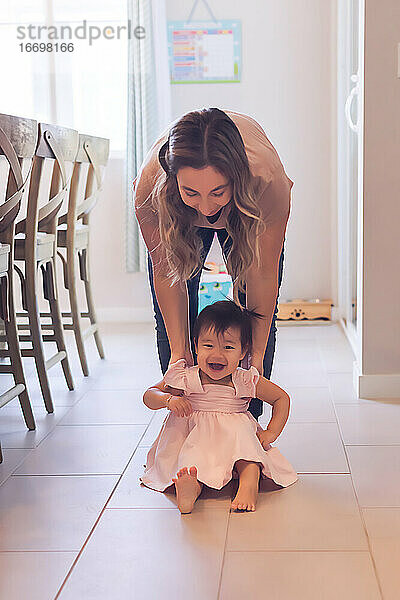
288, 85
381, 210
118, 295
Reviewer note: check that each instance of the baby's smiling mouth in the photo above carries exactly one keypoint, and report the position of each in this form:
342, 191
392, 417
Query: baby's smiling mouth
216, 366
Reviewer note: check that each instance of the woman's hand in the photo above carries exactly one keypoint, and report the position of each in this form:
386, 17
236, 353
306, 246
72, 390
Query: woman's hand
180, 406
266, 437
187, 355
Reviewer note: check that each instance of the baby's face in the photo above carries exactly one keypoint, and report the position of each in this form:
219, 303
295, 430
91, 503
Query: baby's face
218, 356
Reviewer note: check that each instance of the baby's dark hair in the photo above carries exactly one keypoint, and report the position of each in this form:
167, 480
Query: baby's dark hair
224, 314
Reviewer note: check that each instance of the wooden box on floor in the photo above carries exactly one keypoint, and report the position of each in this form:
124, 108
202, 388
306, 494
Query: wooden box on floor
300, 310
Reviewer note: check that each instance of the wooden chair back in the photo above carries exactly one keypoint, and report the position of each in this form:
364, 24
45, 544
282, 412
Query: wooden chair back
87, 178
18, 138
53, 163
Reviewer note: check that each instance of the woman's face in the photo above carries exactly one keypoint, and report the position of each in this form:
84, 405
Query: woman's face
206, 190
219, 355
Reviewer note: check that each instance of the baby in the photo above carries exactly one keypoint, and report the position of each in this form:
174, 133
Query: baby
209, 434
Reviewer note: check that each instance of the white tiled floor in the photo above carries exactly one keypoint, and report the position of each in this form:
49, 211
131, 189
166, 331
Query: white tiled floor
76, 524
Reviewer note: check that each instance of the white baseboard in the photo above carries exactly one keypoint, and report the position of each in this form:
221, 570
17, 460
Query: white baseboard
143, 314
335, 315
125, 314
376, 386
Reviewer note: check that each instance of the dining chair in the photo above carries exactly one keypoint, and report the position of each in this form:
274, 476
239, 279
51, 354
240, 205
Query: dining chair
74, 237
36, 248
18, 138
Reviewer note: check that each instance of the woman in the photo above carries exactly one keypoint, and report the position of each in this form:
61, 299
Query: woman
213, 170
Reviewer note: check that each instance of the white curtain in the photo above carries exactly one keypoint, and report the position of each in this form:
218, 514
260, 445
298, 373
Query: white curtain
149, 106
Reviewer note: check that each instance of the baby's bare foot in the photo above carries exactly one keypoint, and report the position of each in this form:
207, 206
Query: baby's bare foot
245, 498
187, 488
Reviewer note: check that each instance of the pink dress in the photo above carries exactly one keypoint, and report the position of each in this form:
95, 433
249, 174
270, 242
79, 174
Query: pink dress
219, 432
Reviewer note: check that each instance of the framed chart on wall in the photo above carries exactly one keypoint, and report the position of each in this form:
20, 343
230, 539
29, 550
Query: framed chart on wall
204, 51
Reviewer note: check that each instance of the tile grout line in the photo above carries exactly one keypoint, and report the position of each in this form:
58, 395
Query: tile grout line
99, 517
301, 550
357, 499
224, 553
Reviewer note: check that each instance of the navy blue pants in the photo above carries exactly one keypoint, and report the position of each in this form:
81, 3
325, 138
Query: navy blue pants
164, 351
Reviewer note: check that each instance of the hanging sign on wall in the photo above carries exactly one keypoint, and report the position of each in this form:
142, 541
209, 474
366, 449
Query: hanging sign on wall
204, 51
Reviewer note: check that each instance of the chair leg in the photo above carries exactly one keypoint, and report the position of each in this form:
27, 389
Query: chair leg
75, 314
10, 325
90, 304
35, 328
57, 323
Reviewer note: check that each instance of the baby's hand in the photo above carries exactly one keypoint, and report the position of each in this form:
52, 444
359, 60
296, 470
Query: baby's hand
266, 437
180, 406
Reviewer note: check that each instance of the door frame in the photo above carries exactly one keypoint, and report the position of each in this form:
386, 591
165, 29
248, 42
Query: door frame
344, 86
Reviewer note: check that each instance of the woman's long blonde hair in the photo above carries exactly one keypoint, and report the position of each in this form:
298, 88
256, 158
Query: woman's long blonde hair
201, 138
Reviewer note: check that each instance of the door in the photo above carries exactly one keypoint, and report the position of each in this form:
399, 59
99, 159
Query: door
350, 175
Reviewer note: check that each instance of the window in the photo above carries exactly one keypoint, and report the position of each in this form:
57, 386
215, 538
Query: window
86, 88
26, 93
91, 82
